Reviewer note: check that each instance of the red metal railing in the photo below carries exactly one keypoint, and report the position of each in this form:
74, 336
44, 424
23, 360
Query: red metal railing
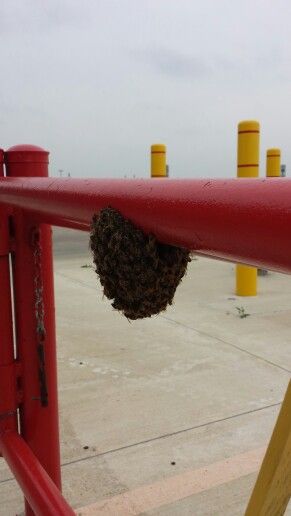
243, 220
28, 361
40, 491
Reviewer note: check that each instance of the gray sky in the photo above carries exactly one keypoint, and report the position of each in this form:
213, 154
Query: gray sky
96, 82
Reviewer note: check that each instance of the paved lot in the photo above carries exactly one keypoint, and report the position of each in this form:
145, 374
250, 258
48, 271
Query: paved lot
176, 411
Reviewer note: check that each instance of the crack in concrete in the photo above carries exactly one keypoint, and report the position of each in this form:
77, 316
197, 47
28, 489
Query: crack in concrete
205, 334
164, 436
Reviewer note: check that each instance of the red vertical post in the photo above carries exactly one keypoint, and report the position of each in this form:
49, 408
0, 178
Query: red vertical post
8, 401
35, 320
6, 335
6, 339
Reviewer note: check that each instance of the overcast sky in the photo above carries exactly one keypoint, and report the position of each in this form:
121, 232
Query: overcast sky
96, 82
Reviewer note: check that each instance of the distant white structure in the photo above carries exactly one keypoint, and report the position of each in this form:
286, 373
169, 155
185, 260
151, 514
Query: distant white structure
283, 170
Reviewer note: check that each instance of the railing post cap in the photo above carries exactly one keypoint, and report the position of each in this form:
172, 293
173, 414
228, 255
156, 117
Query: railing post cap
26, 153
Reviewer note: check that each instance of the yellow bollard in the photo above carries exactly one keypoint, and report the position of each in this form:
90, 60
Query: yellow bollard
158, 160
248, 148
246, 280
273, 163
272, 490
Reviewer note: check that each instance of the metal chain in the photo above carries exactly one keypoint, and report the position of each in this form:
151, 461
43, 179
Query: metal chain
39, 315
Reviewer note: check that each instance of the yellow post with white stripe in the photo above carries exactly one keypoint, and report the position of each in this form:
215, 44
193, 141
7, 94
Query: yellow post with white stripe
158, 160
273, 163
248, 149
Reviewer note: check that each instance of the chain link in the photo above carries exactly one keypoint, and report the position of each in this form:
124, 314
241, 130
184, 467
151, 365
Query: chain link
39, 315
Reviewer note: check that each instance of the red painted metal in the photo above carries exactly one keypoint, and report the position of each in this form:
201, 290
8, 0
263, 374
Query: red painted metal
38, 423
1, 163
26, 161
8, 379
6, 348
240, 220
243, 220
41, 492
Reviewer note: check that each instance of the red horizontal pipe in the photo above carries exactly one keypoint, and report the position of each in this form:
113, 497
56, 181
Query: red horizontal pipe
240, 220
38, 488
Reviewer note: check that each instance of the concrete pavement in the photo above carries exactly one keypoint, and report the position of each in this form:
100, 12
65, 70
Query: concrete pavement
147, 405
